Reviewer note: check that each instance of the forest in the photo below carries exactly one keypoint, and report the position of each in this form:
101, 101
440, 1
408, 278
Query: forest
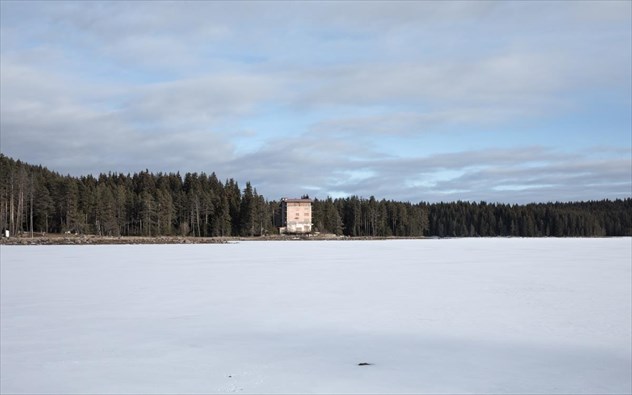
35, 199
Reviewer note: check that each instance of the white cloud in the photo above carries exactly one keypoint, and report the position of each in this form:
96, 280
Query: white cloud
203, 99
168, 86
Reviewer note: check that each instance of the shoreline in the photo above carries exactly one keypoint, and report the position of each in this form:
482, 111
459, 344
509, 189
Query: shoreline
65, 239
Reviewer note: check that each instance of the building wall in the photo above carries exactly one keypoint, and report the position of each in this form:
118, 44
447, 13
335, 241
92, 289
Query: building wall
296, 215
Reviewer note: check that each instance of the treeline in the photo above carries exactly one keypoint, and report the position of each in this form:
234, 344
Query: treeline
367, 217
33, 198
354, 216
143, 204
578, 219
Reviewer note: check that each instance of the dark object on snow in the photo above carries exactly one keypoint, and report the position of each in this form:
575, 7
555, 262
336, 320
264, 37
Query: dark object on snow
364, 364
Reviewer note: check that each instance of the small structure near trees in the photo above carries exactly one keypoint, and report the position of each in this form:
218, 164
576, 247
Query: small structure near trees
296, 215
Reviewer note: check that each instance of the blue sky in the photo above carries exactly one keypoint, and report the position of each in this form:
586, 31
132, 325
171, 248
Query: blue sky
435, 101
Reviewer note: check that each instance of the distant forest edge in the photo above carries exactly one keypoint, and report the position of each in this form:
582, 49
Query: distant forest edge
146, 204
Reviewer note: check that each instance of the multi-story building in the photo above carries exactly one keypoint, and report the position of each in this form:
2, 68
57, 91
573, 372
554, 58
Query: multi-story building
296, 215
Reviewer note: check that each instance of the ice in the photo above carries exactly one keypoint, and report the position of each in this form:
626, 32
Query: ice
430, 316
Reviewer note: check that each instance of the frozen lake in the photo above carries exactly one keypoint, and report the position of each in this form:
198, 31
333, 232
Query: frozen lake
431, 316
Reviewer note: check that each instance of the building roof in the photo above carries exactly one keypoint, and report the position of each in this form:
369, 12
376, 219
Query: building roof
296, 200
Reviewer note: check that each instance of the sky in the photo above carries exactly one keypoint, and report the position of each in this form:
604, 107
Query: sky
514, 102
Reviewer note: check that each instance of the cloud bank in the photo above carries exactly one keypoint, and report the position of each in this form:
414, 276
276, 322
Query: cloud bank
509, 102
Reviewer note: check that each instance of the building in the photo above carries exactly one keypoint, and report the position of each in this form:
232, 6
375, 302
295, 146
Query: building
296, 215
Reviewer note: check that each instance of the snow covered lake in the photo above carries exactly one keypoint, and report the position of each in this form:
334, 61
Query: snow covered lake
430, 316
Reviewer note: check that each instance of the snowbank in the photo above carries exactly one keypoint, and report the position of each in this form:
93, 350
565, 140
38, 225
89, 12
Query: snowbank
431, 316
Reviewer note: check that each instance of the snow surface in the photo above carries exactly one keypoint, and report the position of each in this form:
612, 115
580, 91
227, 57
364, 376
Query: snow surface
431, 316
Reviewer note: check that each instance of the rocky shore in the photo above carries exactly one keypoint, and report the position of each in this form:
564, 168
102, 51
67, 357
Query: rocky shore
91, 239
70, 239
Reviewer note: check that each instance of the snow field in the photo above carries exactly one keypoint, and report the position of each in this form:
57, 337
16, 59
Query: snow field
432, 316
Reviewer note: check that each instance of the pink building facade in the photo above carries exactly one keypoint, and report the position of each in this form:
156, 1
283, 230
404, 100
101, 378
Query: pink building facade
296, 216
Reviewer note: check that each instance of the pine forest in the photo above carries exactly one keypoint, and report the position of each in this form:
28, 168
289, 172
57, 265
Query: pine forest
35, 199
